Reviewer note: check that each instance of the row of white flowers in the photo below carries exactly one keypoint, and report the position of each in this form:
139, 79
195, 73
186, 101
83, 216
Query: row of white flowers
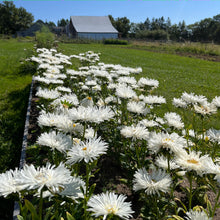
100, 109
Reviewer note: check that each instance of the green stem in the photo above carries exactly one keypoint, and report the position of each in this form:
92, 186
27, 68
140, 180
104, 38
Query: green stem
190, 191
155, 206
87, 188
138, 156
87, 178
168, 162
216, 204
41, 205
84, 131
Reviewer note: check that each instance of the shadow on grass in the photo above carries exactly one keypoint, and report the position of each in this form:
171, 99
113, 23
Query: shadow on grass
12, 119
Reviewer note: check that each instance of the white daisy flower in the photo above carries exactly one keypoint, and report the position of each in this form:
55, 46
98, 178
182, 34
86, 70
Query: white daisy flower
47, 94
148, 123
69, 98
193, 99
49, 176
87, 102
174, 120
54, 76
137, 107
91, 83
189, 132
159, 120
172, 142
8, 182
110, 203
91, 114
192, 161
90, 133
179, 103
205, 109
47, 119
96, 88
162, 162
54, 140
72, 189
127, 80
142, 82
216, 101
197, 215
64, 89
125, 92
152, 183
53, 70
213, 135
154, 99
88, 150
135, 132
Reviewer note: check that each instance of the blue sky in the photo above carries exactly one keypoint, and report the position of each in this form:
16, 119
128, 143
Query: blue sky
135, 10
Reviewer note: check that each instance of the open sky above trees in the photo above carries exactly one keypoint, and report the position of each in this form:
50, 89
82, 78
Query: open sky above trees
136, 11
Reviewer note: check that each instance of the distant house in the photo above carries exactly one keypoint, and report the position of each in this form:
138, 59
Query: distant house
91, 27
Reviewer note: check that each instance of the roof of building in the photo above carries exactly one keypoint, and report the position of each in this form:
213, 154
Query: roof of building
92, 24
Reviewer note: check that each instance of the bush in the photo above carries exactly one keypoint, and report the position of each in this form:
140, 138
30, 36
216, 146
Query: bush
153, 35
45, 38
115, 41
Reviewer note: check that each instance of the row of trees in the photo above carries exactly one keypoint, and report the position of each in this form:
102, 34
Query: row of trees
14, 19
162, 29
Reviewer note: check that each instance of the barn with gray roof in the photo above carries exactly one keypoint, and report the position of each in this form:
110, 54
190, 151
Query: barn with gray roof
91, 27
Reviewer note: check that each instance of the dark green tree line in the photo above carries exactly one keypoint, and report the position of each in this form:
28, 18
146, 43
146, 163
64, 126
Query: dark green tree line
205, 30
13, 19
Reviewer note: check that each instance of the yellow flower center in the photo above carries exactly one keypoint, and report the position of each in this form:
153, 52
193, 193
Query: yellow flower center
168, 139
85, 148
74, 125
193, 161
206, 138
76, 140
42, 177
111, 209
65, 106
89, 98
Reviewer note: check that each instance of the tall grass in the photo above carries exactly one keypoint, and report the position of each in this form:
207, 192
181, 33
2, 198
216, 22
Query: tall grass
186, 47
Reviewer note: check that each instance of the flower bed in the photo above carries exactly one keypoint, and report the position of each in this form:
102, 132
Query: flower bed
97, 149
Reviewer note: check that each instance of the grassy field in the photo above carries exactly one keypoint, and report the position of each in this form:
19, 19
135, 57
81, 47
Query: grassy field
175, 74
15, 82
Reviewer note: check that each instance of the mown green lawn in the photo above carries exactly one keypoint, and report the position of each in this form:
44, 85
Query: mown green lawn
14, 91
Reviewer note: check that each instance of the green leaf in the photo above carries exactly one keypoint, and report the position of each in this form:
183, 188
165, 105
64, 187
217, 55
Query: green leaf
176, 217
69, 216
91, 190
31, 208
176, 199
123, 180
20, 217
